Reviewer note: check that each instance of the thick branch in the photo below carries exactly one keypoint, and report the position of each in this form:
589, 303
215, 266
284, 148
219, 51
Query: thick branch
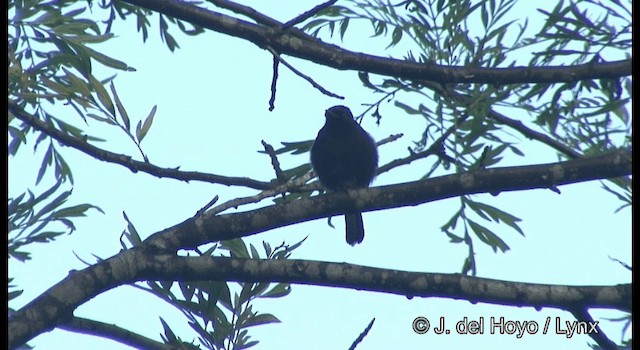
409, 284
209, 228
298, 44
126, 161
56, 305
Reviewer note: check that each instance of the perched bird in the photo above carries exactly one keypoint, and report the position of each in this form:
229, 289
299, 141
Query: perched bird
344, 156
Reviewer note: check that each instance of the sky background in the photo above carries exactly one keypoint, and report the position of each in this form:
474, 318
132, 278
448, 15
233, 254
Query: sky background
212, 97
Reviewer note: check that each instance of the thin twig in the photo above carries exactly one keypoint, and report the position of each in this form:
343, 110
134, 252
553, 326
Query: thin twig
206, 206
594, 330
247, 11
435, 149
308, 14
274, 162
113, 332
532, 134
362, 335
389, 139
274, 80
126, 161
287, 187
303, 76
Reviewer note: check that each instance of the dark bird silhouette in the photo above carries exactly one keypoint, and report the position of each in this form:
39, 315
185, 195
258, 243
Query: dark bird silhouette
344, 156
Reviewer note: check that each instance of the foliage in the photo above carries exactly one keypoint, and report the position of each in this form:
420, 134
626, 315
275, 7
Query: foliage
589, 117
51, 64
207, 304
52, 60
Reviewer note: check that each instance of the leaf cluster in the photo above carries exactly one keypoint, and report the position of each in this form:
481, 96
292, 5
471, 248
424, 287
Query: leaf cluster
588, 117
219, 312
32, 217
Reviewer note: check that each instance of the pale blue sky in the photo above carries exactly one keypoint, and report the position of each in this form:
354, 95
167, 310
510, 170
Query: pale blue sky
212, 99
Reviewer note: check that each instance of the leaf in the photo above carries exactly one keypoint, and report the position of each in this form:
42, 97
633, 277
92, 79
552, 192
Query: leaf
236, 247
280, 290
132, 234
75, 211
488, 237
293, 147
141, 132
121, 110
408, 109
260, 319
103, 96
254, 252
395, 37
48, 208
108, 61
343, 27
168, 336
496, 214
46, 162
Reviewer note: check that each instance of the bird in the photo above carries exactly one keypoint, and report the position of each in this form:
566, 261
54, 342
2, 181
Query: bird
344, 156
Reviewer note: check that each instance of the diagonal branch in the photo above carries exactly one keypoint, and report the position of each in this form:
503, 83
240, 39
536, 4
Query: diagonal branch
211, 228
308, 14
126, 161
47, 311
468, 101
534, 135
52, 307
584, 318
303, 76
295, 43
113, 332
247, 11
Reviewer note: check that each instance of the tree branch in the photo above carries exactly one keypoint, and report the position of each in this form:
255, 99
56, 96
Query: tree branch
308, 14
534, 135
113, 332
210, 228
303, 76
126, 161
295, 43
137, 264
583, 317
247, 11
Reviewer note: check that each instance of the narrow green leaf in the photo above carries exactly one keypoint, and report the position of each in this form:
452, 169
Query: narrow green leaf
168, 336
103, 96
395, 37
108, 61
254, 252
132, 234
121, 110
236, 247
46, 162
280, 290
343, 27
142, 131
75, 211
260, 319
487, 236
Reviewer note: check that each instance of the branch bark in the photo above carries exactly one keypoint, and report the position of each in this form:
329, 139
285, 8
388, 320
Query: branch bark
296, 43
129, 163
55, 306
210, 228
115, 333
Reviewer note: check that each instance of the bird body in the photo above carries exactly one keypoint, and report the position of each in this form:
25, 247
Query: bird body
344, 157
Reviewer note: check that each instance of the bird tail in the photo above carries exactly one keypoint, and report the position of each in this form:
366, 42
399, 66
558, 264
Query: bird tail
354, 228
